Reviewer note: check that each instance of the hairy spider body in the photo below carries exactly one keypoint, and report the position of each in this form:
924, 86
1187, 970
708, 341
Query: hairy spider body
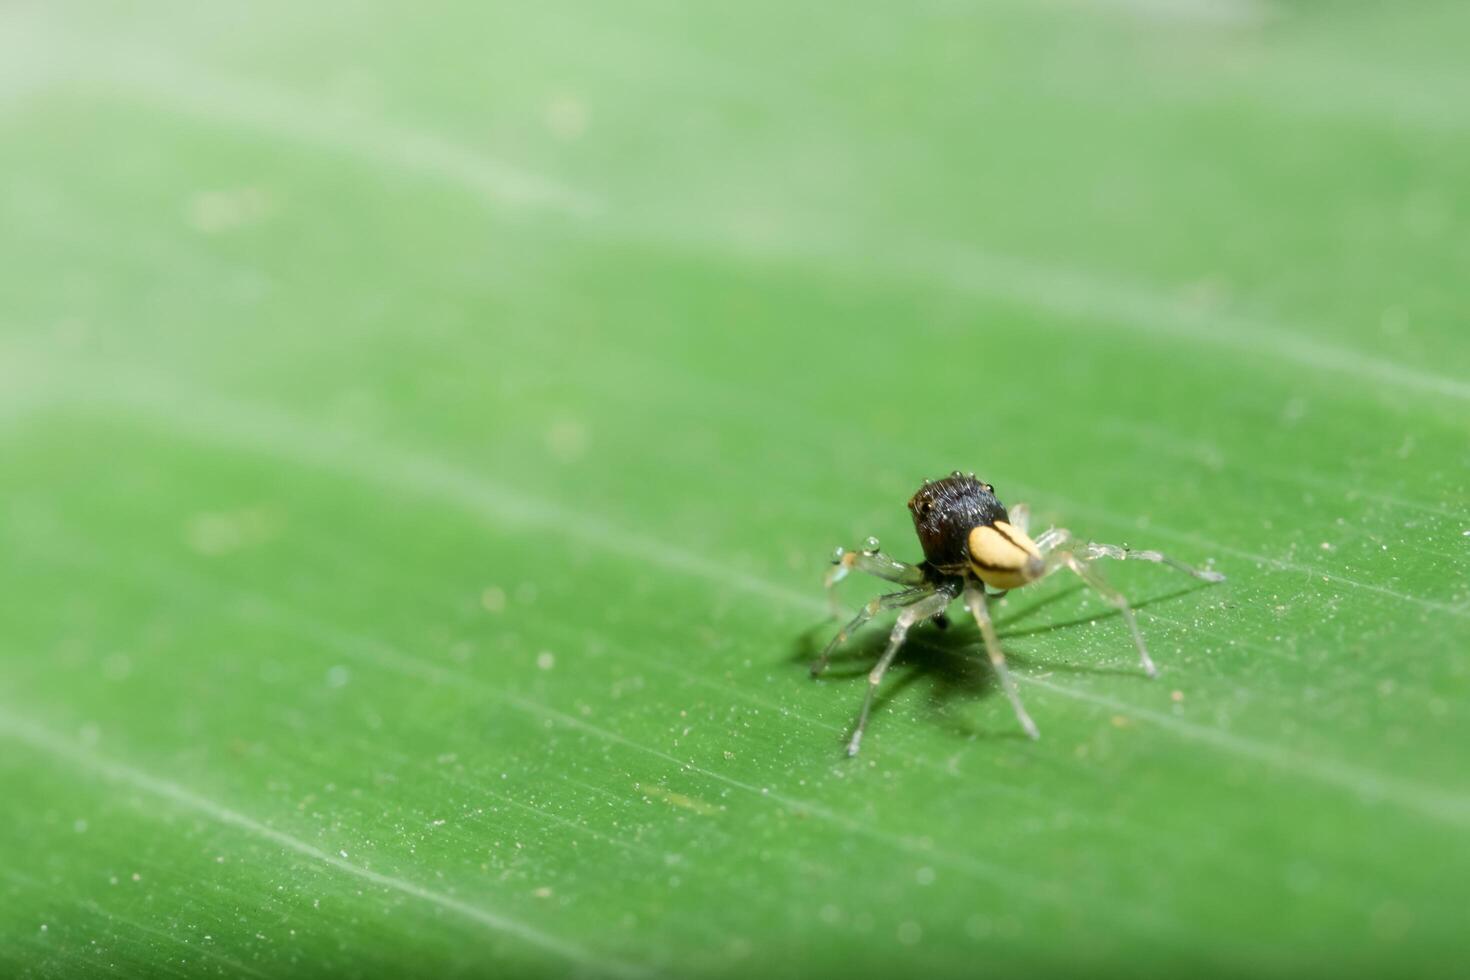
974, 548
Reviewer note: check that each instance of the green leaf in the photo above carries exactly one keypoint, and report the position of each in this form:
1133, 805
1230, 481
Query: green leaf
425, 434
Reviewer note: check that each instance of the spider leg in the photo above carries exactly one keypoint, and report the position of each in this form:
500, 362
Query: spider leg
1081, 562
873, 562
1094, 550
1051, 539
978, 604
1020, 515
916, 612
871, 608
1084, 570
1055, 537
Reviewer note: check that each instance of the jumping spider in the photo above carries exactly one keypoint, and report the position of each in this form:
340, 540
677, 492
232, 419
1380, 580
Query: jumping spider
975, 549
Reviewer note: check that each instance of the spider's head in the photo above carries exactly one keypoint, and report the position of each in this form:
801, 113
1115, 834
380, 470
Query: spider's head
963, 528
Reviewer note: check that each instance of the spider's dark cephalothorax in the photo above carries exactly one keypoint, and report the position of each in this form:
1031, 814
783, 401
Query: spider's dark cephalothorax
975, 548
945, 511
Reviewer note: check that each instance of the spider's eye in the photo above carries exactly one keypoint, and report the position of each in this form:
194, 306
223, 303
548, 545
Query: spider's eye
987, 488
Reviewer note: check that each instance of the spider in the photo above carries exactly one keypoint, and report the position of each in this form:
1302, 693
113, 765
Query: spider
975, 549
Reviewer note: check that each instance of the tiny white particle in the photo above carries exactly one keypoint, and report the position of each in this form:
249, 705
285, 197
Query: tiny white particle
545, 660
137, 877
214, 211
44, 927
567, 441
565, 115
117, 666
343, 853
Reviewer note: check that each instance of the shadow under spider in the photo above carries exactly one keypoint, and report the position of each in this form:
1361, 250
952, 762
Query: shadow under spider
954, 658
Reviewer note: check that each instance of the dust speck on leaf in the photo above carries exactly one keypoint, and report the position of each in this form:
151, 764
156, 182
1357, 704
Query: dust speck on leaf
679, 799
213, 212
117, 666
1390, 921
215, 534
567, 441
566, 116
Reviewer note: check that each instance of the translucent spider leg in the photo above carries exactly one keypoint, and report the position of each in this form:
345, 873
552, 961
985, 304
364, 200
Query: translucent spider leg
1055, 537
877, 604
873, 562
1102, 587
1093, 550
917, 612
978, 603
1081, 562
1020, 515
1051, 539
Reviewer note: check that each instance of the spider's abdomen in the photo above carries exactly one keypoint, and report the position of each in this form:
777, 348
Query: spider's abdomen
946, 511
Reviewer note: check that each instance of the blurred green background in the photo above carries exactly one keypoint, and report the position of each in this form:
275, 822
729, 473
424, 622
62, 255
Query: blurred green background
424, 429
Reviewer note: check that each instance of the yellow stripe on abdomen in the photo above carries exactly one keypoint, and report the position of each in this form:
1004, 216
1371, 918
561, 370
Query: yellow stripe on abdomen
1003, 557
